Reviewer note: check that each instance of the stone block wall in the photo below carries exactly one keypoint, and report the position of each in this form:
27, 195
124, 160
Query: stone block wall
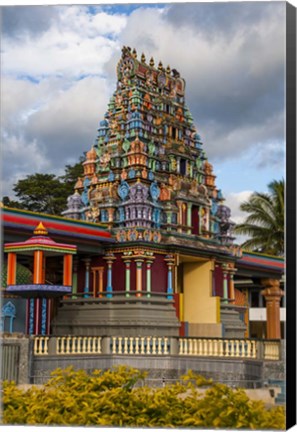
244, 373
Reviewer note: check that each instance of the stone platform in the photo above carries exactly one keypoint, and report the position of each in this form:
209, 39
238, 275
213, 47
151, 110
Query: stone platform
116, 316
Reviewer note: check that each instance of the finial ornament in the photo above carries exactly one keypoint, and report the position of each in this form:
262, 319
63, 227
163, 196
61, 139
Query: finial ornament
40, 229
160, 66
168, 70
143, 58
134, 53
152, 62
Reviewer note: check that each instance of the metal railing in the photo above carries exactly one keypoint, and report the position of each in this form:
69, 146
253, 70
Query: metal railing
158, 346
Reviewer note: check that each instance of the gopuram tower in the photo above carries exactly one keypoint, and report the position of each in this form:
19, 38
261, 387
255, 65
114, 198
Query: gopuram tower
148, 180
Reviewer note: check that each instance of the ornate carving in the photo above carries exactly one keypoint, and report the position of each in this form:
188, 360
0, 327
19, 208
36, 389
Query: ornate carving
123, 190
154, 191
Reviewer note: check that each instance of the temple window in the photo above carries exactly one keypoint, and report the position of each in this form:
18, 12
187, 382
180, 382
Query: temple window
183, 166
174, 134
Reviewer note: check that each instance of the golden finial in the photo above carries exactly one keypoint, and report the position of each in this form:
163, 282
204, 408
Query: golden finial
40, 229
142, 58
160, 66
134, 53
168, 70
152, 62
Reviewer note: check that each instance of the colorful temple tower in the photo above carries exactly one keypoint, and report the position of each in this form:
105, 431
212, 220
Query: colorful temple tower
148, 180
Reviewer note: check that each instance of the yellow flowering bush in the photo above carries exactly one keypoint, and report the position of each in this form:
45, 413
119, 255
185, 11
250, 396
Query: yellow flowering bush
110, 398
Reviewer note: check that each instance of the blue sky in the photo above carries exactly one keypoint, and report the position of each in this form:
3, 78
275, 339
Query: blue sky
59, 71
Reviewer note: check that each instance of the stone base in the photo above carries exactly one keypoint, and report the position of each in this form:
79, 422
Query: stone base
233, 326
114, 317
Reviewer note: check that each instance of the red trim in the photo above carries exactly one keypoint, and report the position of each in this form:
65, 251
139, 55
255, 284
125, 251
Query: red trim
23, 220
262, 262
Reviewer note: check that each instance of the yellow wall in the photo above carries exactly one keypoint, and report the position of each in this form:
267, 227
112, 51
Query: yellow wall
199, 305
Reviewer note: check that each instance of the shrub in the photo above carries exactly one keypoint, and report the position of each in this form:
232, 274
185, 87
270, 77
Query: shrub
110, 398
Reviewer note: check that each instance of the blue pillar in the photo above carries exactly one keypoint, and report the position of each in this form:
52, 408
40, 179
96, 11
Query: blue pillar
109, 259
43, 316
109, 280
170, 262
87, 277
169, 283
31, 316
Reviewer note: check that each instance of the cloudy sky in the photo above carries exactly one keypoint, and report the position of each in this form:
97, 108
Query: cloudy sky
58, 72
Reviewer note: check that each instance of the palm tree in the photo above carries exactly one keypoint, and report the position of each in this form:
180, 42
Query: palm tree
265, 223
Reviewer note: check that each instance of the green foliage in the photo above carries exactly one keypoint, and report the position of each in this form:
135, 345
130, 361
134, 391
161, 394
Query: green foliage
72, 172
265, 222
109, 398
41, 193
46, 193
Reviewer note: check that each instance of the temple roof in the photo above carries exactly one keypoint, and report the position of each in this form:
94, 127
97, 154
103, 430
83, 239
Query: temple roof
19, 224
40, 241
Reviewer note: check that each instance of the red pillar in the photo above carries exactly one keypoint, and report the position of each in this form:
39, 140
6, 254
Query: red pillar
67, 270
11, 268
272, 294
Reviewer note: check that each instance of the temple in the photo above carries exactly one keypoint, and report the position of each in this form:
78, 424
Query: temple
148, 180
143, 259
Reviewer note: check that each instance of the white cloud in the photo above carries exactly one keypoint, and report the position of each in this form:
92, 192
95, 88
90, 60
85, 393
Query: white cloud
77, 43
234, 80
233, 200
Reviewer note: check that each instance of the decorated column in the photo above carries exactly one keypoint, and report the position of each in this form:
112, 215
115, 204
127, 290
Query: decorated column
38, 278
170, 263
149, 263
138, 276
179, 215
97, 281
101, 271
87, 262
189, 218
231, 285
272, 294
67, 270
11, 268
109, 260
74, 277
225, 283
127, 277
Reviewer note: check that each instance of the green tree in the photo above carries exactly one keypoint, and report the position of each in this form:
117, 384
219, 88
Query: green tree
72, 172
265, 222
46, 193
7, 202
43, 193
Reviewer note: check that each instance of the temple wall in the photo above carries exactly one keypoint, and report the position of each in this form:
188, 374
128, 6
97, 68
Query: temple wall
199, 305
159, 274
118, 274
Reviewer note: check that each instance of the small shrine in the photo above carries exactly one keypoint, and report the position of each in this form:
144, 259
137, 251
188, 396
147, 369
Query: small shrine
39, 294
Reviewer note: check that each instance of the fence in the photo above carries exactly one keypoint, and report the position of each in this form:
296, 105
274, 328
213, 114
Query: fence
158, 346
10, 362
